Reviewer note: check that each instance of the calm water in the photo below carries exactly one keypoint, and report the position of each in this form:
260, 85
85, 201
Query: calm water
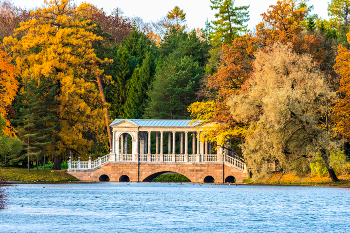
147, 207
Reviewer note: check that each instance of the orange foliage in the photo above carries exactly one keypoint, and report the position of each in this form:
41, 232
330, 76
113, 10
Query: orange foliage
8, 85
281, 23
342, 107
238, 63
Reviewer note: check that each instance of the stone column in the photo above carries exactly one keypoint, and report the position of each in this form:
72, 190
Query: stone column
186, 143
149, 142
174, 142
126, 143
135, 149
157, 143
117, 152
89, 163
193, 143
169, 143
186, 147
219, 154
181, 143
161, 142
161, 147
198, 151
121, 143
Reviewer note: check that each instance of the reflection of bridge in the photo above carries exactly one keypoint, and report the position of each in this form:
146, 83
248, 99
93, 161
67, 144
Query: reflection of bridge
137, 154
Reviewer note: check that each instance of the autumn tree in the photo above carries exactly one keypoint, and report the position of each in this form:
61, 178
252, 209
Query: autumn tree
342, 107
8, 87
10, 17
58, 44
284, 23
284, 105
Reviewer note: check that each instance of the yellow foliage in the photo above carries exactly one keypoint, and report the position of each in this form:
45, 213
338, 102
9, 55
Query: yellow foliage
8, 86
202, 113
58, 44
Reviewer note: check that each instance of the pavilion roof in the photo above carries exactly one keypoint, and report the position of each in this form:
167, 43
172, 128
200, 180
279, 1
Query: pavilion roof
157, 123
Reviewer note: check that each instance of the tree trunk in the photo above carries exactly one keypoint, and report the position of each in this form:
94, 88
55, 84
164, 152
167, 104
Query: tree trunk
37, 164
44, 162
330, 170
57, 162
100, 87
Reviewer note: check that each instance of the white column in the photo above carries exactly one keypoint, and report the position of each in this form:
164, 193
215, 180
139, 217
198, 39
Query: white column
157, 143
122, 143
135, 150
186, 143
116, 143
186, 147
126, 143
161, 147
169, 142
174, 142
113, 142
198, 152
161, 142
193, 143
149, 142
181, 143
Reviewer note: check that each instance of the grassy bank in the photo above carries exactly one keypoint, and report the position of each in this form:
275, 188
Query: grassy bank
171, 178
22, 174
290, 179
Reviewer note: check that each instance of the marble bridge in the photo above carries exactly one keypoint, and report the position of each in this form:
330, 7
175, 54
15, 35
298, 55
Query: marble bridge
143, 149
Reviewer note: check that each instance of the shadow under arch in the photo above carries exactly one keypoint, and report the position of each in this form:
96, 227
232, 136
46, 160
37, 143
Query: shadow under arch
209, 179
124, 178
103, 178
151, 177
230, 179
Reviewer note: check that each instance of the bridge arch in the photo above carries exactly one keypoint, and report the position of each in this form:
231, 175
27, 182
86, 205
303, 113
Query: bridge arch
149, 176
124, 178
103, 178
208, 179
230, 179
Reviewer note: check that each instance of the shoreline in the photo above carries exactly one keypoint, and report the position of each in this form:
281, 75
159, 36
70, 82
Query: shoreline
334, 185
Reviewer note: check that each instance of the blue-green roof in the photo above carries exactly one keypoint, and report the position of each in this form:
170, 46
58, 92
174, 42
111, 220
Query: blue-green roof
158, 123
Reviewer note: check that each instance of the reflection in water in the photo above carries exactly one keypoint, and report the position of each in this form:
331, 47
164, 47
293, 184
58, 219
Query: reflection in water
3, 195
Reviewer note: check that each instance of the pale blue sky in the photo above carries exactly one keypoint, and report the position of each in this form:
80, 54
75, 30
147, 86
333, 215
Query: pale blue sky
197, 10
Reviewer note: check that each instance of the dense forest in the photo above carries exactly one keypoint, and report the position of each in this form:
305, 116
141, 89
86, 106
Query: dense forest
280, 93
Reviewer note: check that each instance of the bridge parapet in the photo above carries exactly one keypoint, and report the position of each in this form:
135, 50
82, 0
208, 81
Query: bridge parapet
158, 158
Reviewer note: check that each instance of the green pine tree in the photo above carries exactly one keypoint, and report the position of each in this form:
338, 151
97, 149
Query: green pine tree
176, 82
10, 147
36, 117
229, 22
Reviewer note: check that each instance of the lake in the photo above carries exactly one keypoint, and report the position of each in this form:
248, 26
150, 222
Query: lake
172, 207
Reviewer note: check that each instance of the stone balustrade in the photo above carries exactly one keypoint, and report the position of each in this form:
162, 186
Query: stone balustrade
157, 158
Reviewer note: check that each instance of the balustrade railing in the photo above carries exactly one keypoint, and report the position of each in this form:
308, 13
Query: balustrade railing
210, 158
83, 165
235, 162
230, 160
125, 157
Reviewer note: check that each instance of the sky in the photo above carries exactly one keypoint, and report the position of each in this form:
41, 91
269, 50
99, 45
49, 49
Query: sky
197, 11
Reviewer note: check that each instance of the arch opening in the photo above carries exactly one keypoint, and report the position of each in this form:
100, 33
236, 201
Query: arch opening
209, 179
230, 179
125, 143
166, 176
124, 178
103, 178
